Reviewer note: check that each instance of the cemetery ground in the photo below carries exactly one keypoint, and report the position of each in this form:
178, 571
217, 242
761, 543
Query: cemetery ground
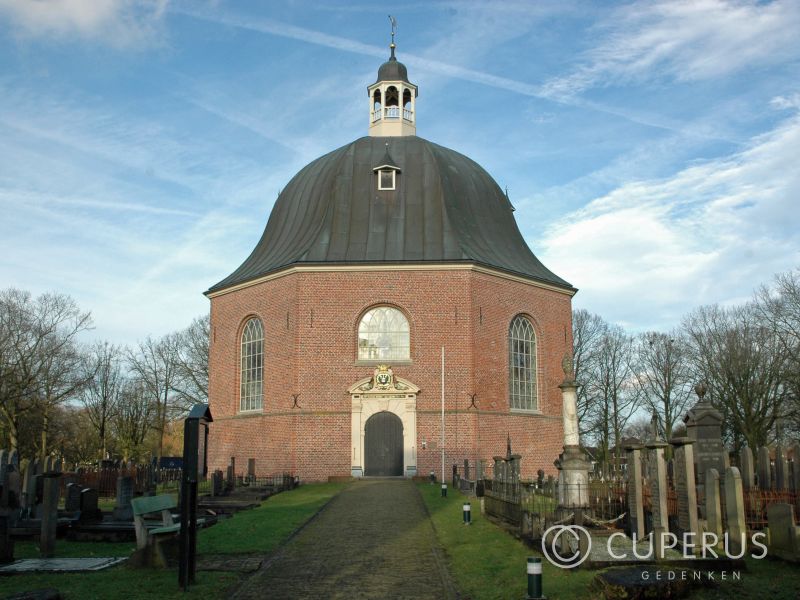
483, 560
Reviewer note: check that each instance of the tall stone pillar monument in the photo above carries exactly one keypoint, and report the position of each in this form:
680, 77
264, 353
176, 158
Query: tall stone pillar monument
573, 468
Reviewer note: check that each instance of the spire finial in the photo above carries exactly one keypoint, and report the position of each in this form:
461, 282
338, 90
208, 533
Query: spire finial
393, 21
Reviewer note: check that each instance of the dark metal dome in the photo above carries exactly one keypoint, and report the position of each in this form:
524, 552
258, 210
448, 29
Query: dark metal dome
393, 70
445, 209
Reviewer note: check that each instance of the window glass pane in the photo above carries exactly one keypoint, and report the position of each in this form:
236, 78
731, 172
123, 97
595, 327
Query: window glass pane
383, 335
522, 365
252, 349
387, 179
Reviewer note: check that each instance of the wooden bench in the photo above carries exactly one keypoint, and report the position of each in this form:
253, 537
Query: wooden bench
148, 505
155, 539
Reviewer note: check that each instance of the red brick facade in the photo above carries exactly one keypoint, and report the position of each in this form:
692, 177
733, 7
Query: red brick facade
310, 320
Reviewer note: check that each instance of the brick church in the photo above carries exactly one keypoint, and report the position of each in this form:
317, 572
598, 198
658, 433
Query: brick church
326, 355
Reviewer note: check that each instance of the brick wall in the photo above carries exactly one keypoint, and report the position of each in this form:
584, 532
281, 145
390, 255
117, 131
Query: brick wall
310, 324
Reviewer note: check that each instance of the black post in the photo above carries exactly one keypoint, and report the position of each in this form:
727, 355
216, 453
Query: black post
195, 448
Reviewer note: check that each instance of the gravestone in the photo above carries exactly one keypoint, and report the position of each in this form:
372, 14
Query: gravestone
784, 535
89, 510
72, 502
704, 427
764, 479
635, 500
781, 469
466, 469
251, 468
3, 467
796, 468
216, 483
685, 486
12, 492
713, 505
123, 510
657, 476
746, 468
514, 467
47, 539
734, 513
480, 469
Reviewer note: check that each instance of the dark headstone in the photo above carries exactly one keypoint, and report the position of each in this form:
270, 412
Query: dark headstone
89, 510
6, 541
704, 427
72, 502
216, 483
123, 510
47, 539
251, 468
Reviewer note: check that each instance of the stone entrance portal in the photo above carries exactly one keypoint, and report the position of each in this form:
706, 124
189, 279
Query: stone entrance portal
383, 393
383, 445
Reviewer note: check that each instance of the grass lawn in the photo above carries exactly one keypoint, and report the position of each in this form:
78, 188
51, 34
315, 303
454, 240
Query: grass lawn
488, 563
264, 528
260, 530
773, 579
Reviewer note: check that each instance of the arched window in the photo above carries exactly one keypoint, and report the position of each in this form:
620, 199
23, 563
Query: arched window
383, 335
252, 373
522, 364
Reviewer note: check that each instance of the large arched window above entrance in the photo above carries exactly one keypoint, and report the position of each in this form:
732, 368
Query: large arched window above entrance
252, 366
383, 334
522, 365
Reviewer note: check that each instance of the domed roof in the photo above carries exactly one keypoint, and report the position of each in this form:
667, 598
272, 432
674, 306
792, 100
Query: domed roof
393, 70
445, 209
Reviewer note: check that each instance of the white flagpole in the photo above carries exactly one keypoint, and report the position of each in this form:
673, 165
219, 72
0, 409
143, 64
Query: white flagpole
443, 414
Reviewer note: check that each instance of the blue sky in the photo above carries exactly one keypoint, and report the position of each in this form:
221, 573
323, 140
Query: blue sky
651, 149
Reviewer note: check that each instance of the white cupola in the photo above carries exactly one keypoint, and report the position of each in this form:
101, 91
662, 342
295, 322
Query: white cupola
392, 99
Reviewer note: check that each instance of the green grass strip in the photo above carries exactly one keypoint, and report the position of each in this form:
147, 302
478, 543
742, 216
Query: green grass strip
488, 563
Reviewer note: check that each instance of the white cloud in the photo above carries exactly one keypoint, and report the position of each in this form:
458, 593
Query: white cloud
792, 101
117, 22
684, 41
711, 233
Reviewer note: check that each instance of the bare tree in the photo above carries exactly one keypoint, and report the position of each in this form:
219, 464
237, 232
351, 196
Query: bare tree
101, 396
154, 362
612, 394
192, 361
138, 412
778, 307
587, 332
664, 375
743, 364
38, 355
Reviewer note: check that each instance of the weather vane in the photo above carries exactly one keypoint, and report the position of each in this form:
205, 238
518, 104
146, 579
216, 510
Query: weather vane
393, 21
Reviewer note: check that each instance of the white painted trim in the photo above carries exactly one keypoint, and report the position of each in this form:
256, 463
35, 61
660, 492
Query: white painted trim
291, 270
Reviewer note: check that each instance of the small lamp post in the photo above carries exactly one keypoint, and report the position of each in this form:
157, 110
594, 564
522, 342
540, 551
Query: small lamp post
534, 578
467, 510
195, 467
444, 490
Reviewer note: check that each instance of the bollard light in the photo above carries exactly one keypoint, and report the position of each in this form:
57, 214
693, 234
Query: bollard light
433, 477
444, 490
534, 579
467, 513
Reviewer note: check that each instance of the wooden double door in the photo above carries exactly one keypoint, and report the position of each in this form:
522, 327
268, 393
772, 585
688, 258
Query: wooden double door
383, 445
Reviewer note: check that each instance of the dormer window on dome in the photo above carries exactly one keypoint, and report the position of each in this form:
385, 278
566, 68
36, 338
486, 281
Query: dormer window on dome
392, 99
387, 172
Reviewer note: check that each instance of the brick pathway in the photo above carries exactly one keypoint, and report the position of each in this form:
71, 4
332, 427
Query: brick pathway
373, 540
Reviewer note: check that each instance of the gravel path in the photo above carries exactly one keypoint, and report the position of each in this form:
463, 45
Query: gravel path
374, 540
